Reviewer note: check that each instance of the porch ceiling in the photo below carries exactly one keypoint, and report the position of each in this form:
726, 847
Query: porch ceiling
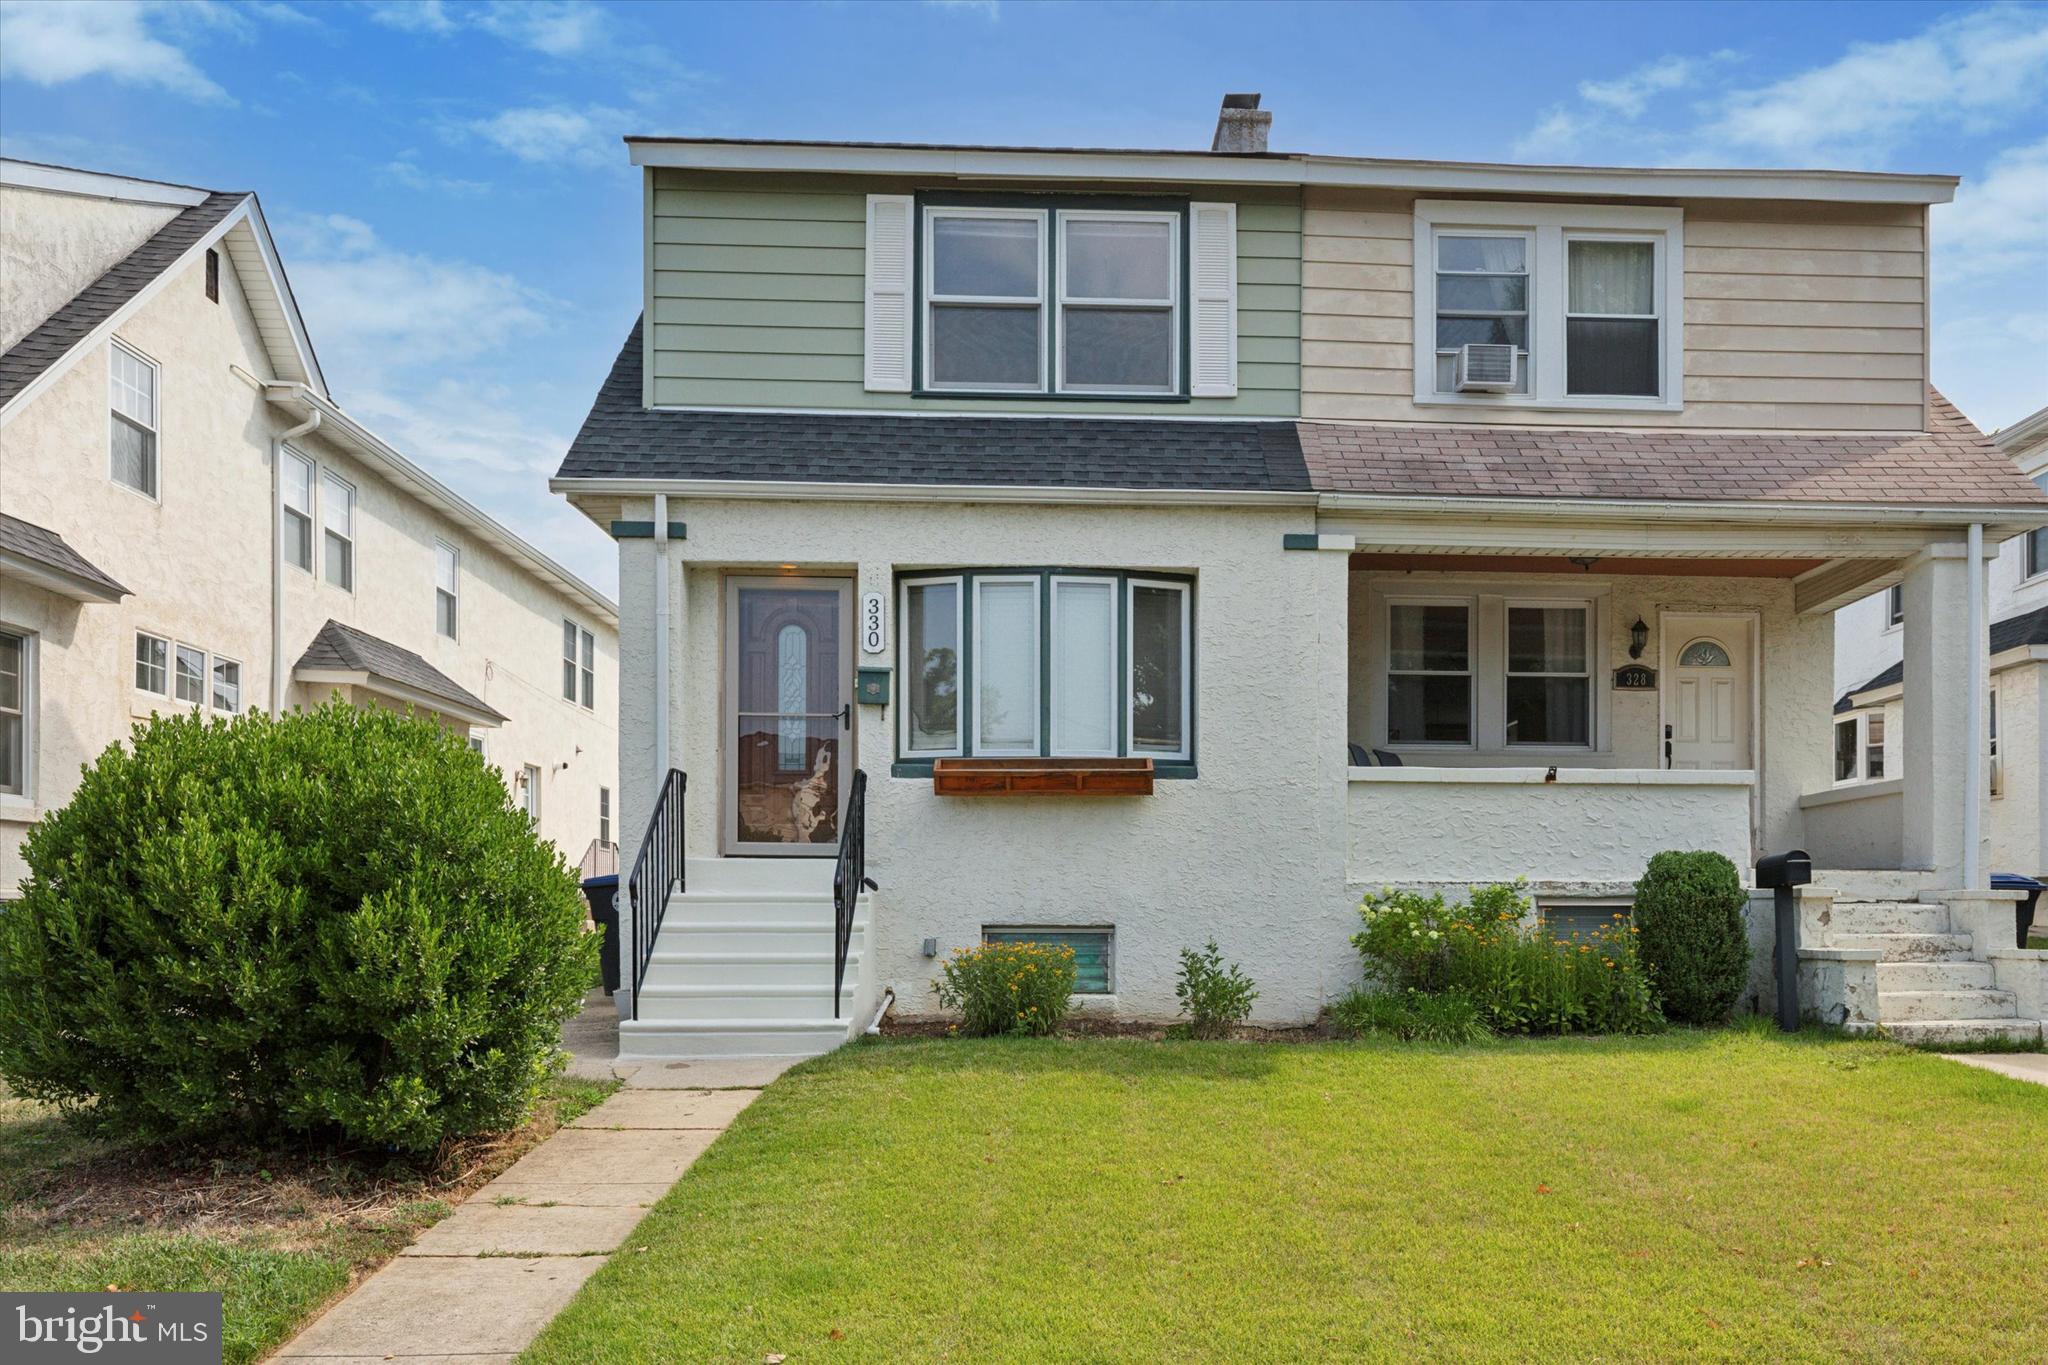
1732, 567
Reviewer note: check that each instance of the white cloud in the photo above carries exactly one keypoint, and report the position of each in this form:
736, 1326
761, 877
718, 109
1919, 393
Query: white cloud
556, 134
1629, 95
405, 170
53, 44
1999, 221
990, 10
1971, 71
414, 16
554, 27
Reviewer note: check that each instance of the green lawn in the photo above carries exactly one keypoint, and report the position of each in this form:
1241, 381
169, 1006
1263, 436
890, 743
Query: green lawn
278, 1237
1731, 1196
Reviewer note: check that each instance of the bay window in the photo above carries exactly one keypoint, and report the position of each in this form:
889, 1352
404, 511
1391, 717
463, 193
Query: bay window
1045, 663
1590, 296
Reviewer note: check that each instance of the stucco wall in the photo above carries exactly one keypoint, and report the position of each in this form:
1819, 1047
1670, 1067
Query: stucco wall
2017, 823
1856, 826
53, 245
198, 564
1251, 851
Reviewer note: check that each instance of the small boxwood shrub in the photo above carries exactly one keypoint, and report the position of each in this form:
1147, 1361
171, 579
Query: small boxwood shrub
328, 928
1689, 908
1212, 996
1008, 987
1518, 979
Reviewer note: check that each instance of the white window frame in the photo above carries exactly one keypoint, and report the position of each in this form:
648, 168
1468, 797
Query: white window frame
205, 676
1579, 604
30, 712
1527, 237
1861, 720
1108, 931
155, 428
1187, 669
1038, 649
329, 482
604, 816
1894, 620
529, 780
1551, 226
453, 593
1175, 290
170, 664
1471, 671
960, 699
213, 681
1049, 666
309, 514
928, 299
579, 657
2033, 569
479, 745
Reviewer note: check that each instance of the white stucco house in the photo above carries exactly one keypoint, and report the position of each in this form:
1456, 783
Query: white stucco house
190, 522
1130, 547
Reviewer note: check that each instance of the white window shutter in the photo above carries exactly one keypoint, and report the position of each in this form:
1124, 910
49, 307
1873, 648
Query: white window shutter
1213, 342
888, 292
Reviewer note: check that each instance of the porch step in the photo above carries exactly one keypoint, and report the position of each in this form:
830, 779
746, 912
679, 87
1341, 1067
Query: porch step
1909, 947
682, 936
720, 876
1888, 917
1950, 1032
808, 1001
695, 966
1933, 976
1907, 1006
1874, 885
730, 1037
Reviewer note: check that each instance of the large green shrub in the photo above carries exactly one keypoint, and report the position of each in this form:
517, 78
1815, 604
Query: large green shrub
1689, 908
1008, 987
1519, 980
330, 927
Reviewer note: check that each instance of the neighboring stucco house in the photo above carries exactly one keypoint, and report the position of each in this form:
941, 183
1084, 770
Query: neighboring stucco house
189, 522
1870, 678
1131, 547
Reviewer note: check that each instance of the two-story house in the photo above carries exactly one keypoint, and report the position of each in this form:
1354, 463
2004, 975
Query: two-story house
1130, 547
1870, 677
189, 522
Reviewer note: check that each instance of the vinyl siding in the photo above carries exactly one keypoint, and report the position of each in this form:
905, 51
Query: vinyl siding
755, 300
1796, 317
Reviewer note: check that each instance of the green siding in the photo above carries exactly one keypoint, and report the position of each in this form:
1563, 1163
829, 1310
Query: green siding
757, 299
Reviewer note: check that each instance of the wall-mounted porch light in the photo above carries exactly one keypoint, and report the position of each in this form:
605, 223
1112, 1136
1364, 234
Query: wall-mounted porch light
1638, 637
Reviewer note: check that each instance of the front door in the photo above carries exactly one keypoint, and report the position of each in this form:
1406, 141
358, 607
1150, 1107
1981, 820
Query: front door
788, 732
1706, 692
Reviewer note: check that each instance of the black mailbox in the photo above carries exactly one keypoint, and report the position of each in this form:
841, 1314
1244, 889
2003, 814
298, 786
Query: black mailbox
1791, 868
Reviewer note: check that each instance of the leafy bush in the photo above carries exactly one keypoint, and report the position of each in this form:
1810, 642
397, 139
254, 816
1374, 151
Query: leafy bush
1008, 987
1212, 996
330, 927
1689, 908
1519, 980
1410, 1016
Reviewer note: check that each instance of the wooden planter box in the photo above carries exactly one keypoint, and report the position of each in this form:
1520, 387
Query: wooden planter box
1042, 776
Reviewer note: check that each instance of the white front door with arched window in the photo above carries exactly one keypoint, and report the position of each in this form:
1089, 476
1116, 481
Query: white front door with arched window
1707, 692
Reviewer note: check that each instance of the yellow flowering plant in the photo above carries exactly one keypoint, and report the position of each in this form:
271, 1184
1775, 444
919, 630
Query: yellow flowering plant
1008, 987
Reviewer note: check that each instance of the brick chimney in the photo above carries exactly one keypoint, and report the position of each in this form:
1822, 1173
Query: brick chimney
1241, 126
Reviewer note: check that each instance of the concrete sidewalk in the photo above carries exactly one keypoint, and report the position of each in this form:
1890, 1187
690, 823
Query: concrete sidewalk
2021, 1066
479, 1285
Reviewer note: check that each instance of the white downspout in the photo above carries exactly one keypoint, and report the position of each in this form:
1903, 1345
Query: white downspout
277, 444
1974, 783
661, 762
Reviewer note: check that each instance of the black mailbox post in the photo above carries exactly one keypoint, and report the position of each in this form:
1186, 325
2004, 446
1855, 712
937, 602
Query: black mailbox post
1781, 872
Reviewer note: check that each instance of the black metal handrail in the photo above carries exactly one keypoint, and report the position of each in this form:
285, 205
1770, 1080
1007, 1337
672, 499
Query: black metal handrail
657, 870
849, 878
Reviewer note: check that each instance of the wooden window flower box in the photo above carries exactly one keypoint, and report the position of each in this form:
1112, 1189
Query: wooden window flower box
1042, 776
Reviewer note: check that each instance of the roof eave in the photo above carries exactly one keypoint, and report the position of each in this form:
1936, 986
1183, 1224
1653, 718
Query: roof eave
840, 491
64, 583
398, 691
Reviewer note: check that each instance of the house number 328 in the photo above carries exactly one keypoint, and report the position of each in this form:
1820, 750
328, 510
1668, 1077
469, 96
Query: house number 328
874, 625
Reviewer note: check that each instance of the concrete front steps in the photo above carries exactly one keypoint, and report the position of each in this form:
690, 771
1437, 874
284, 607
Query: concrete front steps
1933, 987
742, 966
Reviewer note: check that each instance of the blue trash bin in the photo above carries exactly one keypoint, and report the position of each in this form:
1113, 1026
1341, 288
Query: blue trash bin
2030, 888
603, 895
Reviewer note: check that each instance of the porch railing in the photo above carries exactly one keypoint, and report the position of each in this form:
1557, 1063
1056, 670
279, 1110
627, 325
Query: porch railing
849, 879
657, 871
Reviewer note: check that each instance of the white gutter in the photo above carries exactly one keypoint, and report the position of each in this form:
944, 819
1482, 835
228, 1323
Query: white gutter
277, 444
1974, 785
748, 489
881, 1008
1625, 509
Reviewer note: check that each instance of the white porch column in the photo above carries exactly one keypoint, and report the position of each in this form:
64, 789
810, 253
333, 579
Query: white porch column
636, 734
1942, 669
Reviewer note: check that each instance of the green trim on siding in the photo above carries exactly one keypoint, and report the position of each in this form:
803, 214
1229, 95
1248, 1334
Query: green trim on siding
644, 530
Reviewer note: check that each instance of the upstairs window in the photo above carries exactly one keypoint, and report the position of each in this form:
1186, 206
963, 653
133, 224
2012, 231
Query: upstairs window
338, 516
1080, 301
1859, 747
2037, 539
579, 666
447, 602
190, 684
297, 533
1588, 297
227, 686
133, 396
1895, 598
17, 711
152, 664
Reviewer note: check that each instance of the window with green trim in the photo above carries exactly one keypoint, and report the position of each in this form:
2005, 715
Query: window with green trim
1093, 951
1053, 663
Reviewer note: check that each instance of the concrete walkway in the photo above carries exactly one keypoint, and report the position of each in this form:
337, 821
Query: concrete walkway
479, 1285
2021, 1066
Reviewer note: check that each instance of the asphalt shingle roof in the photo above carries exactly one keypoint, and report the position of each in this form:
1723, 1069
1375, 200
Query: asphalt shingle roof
344, 647
54, 337
621, 439
2014, 632
47, 548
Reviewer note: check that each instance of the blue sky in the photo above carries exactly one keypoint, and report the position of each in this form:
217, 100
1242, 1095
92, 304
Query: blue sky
461, 223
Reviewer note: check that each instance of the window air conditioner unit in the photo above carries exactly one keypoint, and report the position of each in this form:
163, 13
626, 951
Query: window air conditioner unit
1486, 367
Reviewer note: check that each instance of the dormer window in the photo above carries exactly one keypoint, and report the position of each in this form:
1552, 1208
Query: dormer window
1589, 298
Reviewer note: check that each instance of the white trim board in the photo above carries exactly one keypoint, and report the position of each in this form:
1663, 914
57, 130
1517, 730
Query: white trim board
37, 175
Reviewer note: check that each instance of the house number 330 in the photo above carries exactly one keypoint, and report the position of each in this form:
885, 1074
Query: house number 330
874, 624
